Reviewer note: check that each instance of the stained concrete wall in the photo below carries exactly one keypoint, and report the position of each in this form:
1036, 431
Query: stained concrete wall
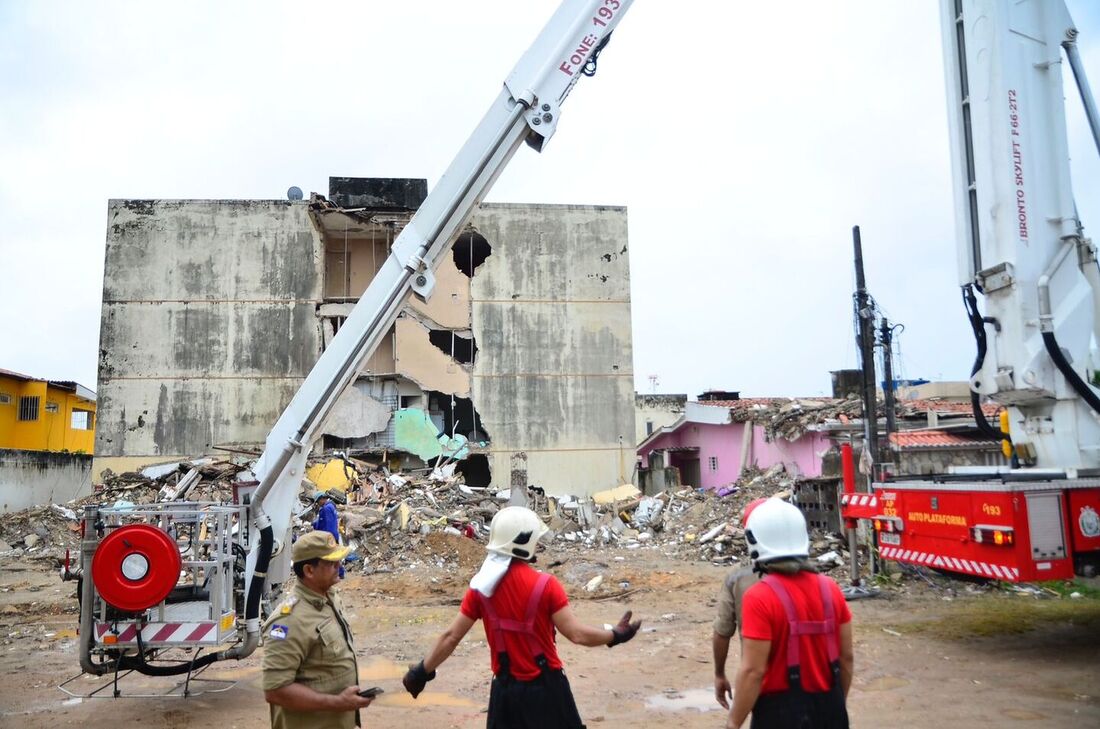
209, 324
211, 321
553, 381
34, 478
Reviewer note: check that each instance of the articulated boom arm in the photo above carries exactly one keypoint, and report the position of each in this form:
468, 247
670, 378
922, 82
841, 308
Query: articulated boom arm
1019, 236
527, 109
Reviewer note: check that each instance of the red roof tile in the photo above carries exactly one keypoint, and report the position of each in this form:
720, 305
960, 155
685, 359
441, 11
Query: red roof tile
937, 439
989, 409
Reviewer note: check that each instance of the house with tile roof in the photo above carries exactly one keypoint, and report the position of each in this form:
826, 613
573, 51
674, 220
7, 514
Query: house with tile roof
716, 439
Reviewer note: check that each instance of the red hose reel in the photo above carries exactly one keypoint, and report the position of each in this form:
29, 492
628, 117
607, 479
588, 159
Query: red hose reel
135, 567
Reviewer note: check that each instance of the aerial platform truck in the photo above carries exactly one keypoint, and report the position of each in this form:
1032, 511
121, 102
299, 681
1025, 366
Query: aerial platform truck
1021, 246
197, 576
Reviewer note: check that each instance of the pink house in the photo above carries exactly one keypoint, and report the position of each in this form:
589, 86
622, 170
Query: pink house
714, 440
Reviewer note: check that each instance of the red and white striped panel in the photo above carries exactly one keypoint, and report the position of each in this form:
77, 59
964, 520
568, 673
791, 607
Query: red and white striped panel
180, 633
954, 564
858, 500
858, 506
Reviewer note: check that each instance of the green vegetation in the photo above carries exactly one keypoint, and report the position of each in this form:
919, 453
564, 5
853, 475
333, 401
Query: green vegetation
1067, 587
1011, 613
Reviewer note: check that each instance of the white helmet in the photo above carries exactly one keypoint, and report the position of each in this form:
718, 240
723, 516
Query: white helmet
515, 532
776, 530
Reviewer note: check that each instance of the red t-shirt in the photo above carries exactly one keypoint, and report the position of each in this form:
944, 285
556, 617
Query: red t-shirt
509, 600
763, 618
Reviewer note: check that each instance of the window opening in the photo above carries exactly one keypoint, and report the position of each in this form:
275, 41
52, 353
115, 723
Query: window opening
28, 408
459, 416
475, 470
52, 407
462, 348
470, 251
81, 420
5, 398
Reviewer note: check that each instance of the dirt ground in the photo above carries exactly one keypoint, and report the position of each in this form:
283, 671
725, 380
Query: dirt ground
945, 655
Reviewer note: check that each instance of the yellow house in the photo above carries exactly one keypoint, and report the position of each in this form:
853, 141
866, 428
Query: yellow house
44, 415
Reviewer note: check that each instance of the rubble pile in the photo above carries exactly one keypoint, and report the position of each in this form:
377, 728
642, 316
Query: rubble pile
391, 518
46, 532
790, 419
431, 517
684, 524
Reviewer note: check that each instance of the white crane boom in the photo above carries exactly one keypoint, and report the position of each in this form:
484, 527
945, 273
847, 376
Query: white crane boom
1019, 238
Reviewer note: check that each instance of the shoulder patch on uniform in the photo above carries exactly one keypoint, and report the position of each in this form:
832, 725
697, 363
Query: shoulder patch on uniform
279, 632
288, 605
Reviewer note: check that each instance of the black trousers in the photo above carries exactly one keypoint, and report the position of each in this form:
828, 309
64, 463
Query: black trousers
543, 703
798, 709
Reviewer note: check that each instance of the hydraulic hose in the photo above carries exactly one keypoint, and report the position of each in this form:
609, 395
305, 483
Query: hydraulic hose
977, 324
1079, 386
254, 595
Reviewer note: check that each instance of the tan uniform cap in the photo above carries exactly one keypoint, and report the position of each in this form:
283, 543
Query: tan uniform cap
316, 544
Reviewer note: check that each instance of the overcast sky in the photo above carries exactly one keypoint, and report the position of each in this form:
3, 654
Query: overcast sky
746, 139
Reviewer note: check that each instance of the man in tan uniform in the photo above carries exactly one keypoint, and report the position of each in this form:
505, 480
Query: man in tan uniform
729, 616
310, 676
725, 625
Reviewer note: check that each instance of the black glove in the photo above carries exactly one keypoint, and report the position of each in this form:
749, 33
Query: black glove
625, 630
416, 678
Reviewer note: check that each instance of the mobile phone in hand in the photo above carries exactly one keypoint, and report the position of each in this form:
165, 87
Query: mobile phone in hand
372, 692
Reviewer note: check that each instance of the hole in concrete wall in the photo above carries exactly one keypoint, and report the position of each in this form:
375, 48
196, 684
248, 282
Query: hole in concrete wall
459, 416
470, 251
475, 470
462, 348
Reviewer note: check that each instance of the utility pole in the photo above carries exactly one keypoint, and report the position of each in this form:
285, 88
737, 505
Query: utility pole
865, 341
887, 334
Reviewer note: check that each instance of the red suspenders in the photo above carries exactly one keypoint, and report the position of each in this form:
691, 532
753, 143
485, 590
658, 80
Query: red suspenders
826, 627
525, 627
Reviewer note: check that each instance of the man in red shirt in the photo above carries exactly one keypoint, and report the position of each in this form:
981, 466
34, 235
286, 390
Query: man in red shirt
520, 608
796, 651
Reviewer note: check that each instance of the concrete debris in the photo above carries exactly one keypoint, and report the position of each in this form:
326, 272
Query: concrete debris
648, 513
790, 419
626, 492
689, 524
430, 517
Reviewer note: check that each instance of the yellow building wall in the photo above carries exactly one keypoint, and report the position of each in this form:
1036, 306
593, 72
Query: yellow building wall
52, 431
8, 411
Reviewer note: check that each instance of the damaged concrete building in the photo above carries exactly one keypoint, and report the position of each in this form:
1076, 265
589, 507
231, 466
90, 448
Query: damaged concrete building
214, 311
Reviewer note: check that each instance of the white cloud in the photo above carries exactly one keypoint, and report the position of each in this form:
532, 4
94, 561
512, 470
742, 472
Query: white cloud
746, 140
